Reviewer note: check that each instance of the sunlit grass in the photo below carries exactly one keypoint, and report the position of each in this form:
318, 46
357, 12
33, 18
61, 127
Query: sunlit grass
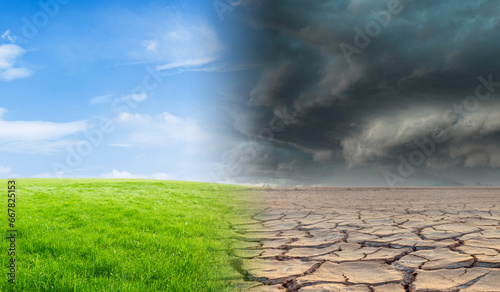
120, 235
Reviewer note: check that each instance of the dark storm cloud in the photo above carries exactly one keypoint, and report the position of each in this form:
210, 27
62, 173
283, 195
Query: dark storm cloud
367, 80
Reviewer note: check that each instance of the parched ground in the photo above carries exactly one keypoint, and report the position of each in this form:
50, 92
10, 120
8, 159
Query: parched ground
372, 239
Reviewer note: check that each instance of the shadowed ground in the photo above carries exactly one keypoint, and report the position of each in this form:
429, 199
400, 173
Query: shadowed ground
372, 239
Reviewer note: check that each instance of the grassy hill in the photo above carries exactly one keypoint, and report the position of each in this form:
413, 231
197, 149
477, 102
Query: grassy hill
120, 235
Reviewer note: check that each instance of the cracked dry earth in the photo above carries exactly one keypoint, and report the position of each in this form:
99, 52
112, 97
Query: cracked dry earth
371, 239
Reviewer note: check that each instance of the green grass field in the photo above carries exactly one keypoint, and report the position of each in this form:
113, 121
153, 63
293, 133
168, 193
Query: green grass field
120, 235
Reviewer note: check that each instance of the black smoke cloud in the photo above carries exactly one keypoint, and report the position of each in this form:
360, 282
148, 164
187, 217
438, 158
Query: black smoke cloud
371, 84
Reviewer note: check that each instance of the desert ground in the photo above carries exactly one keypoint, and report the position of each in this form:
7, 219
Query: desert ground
371, 239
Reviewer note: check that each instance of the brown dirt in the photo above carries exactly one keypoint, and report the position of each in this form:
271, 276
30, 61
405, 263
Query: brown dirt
371, 239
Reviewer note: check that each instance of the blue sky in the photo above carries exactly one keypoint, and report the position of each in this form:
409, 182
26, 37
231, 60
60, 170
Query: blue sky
156, 72
175, 90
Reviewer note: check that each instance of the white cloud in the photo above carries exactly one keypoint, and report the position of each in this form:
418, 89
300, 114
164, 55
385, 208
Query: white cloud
118, 174
36, 136
15, 73
8, 36
107, 98
151, 45
8, 57
5, 170
61, 174
100, 99
164, 129
136, 97
185, 63
167, 39
127, 175
162, 176
179, 43
34, 147
37, 130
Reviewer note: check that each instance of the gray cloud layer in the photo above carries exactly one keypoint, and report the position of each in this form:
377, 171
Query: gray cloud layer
369, 82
